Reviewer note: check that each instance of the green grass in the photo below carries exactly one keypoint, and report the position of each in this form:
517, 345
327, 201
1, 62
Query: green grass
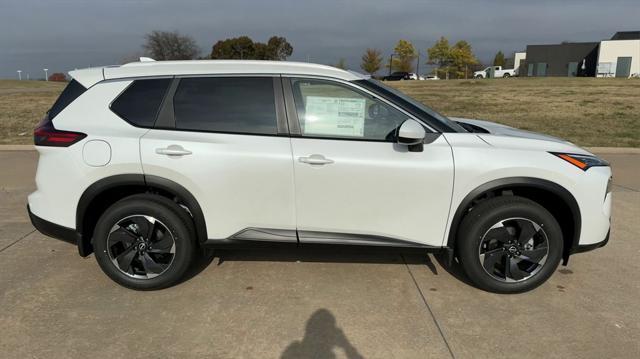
586, 111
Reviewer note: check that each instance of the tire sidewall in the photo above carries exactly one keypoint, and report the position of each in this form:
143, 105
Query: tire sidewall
171, 219
477, 224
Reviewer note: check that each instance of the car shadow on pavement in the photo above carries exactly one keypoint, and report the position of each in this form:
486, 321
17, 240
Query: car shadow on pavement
326, 253
321, 253
321, 337
454, 268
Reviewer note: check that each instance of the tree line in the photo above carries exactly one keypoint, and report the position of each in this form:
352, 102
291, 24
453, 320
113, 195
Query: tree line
450, 61
171, 45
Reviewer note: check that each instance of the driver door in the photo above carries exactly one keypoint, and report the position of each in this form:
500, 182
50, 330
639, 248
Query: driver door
354, 184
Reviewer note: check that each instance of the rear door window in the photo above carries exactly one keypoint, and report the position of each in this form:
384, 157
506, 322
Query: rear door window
243, 105
140, 102
73, 90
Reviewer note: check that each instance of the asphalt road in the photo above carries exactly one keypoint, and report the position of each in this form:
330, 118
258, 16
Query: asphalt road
292, 303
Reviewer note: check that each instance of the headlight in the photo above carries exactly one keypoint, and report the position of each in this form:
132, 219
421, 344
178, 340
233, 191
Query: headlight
583, 162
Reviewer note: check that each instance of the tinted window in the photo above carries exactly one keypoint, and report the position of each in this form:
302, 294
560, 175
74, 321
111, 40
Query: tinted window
68, 95
225, 104
332, 110
140, 102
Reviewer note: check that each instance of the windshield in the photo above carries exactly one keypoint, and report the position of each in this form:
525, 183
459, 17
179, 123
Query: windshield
416, 108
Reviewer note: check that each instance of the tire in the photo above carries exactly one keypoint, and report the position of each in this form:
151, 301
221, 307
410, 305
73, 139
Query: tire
496, 233
136, 260
506, 76
479, 77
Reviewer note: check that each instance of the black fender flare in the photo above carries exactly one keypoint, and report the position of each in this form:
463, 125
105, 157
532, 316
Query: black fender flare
144, 182
521, 182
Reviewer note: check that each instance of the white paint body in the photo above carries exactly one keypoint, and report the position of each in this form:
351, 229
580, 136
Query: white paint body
242, 181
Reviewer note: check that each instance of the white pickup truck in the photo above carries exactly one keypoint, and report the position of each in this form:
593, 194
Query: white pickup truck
497, 72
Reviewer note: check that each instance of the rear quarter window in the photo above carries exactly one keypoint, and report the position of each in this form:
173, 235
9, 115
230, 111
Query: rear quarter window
73, 90
140, 102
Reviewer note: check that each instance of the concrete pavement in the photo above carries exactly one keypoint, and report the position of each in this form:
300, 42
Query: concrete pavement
293, 303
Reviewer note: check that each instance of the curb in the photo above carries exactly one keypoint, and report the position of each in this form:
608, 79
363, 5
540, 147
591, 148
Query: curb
602, 150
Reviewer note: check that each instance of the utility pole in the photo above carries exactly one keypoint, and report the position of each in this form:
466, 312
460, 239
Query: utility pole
19, 74
390, 64
418, 66
46, 74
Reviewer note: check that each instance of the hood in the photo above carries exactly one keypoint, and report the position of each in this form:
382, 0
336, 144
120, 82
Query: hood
480, 127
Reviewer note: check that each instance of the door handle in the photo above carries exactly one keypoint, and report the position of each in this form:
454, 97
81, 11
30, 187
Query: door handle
315, 160
173, 150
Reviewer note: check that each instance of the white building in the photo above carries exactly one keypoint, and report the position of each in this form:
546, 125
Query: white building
518, 57
620, 56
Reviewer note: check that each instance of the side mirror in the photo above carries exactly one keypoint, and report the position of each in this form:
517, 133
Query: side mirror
412, 134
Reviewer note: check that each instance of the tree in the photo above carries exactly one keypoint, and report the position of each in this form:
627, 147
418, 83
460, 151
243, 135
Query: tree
440, 55
276, 48
499, 59
235, 48
404, 55
462, 58
165, 45
58, 76
342, 64
456, 60
371, 61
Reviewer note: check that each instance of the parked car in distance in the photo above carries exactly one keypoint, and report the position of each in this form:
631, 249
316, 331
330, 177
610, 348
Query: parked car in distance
148, 163
498, 71
399, 75
431, 77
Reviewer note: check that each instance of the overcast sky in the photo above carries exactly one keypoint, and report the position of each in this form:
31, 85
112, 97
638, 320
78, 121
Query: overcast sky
66, 34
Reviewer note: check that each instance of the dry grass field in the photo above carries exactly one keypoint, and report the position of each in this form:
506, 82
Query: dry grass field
586, 111
22, 105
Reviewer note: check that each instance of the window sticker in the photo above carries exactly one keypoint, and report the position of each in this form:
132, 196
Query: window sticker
337, 116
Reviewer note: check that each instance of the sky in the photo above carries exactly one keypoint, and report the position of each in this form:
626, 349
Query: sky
65, 34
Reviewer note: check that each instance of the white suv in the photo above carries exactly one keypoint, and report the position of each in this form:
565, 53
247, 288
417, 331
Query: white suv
145, 163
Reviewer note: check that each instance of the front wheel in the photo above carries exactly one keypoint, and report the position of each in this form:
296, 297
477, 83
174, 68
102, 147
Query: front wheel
509, 244
144, 242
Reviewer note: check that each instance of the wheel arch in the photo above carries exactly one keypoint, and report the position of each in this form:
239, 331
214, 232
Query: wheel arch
103, 193
552, 196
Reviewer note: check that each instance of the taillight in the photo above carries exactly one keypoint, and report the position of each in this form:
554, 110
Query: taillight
47, 135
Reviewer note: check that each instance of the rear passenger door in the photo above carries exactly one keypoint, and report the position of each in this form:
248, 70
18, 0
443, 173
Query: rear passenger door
225, 140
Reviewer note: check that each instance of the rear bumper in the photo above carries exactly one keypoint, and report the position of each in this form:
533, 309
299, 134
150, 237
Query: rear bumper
53, 230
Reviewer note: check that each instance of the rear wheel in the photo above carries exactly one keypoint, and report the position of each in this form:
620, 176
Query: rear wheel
509, 244
506, 75
144, 242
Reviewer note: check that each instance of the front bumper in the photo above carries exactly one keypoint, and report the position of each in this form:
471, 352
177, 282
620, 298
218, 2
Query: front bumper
590, 247
53, 230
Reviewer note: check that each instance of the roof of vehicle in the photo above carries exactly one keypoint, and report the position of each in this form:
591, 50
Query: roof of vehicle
91, 76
